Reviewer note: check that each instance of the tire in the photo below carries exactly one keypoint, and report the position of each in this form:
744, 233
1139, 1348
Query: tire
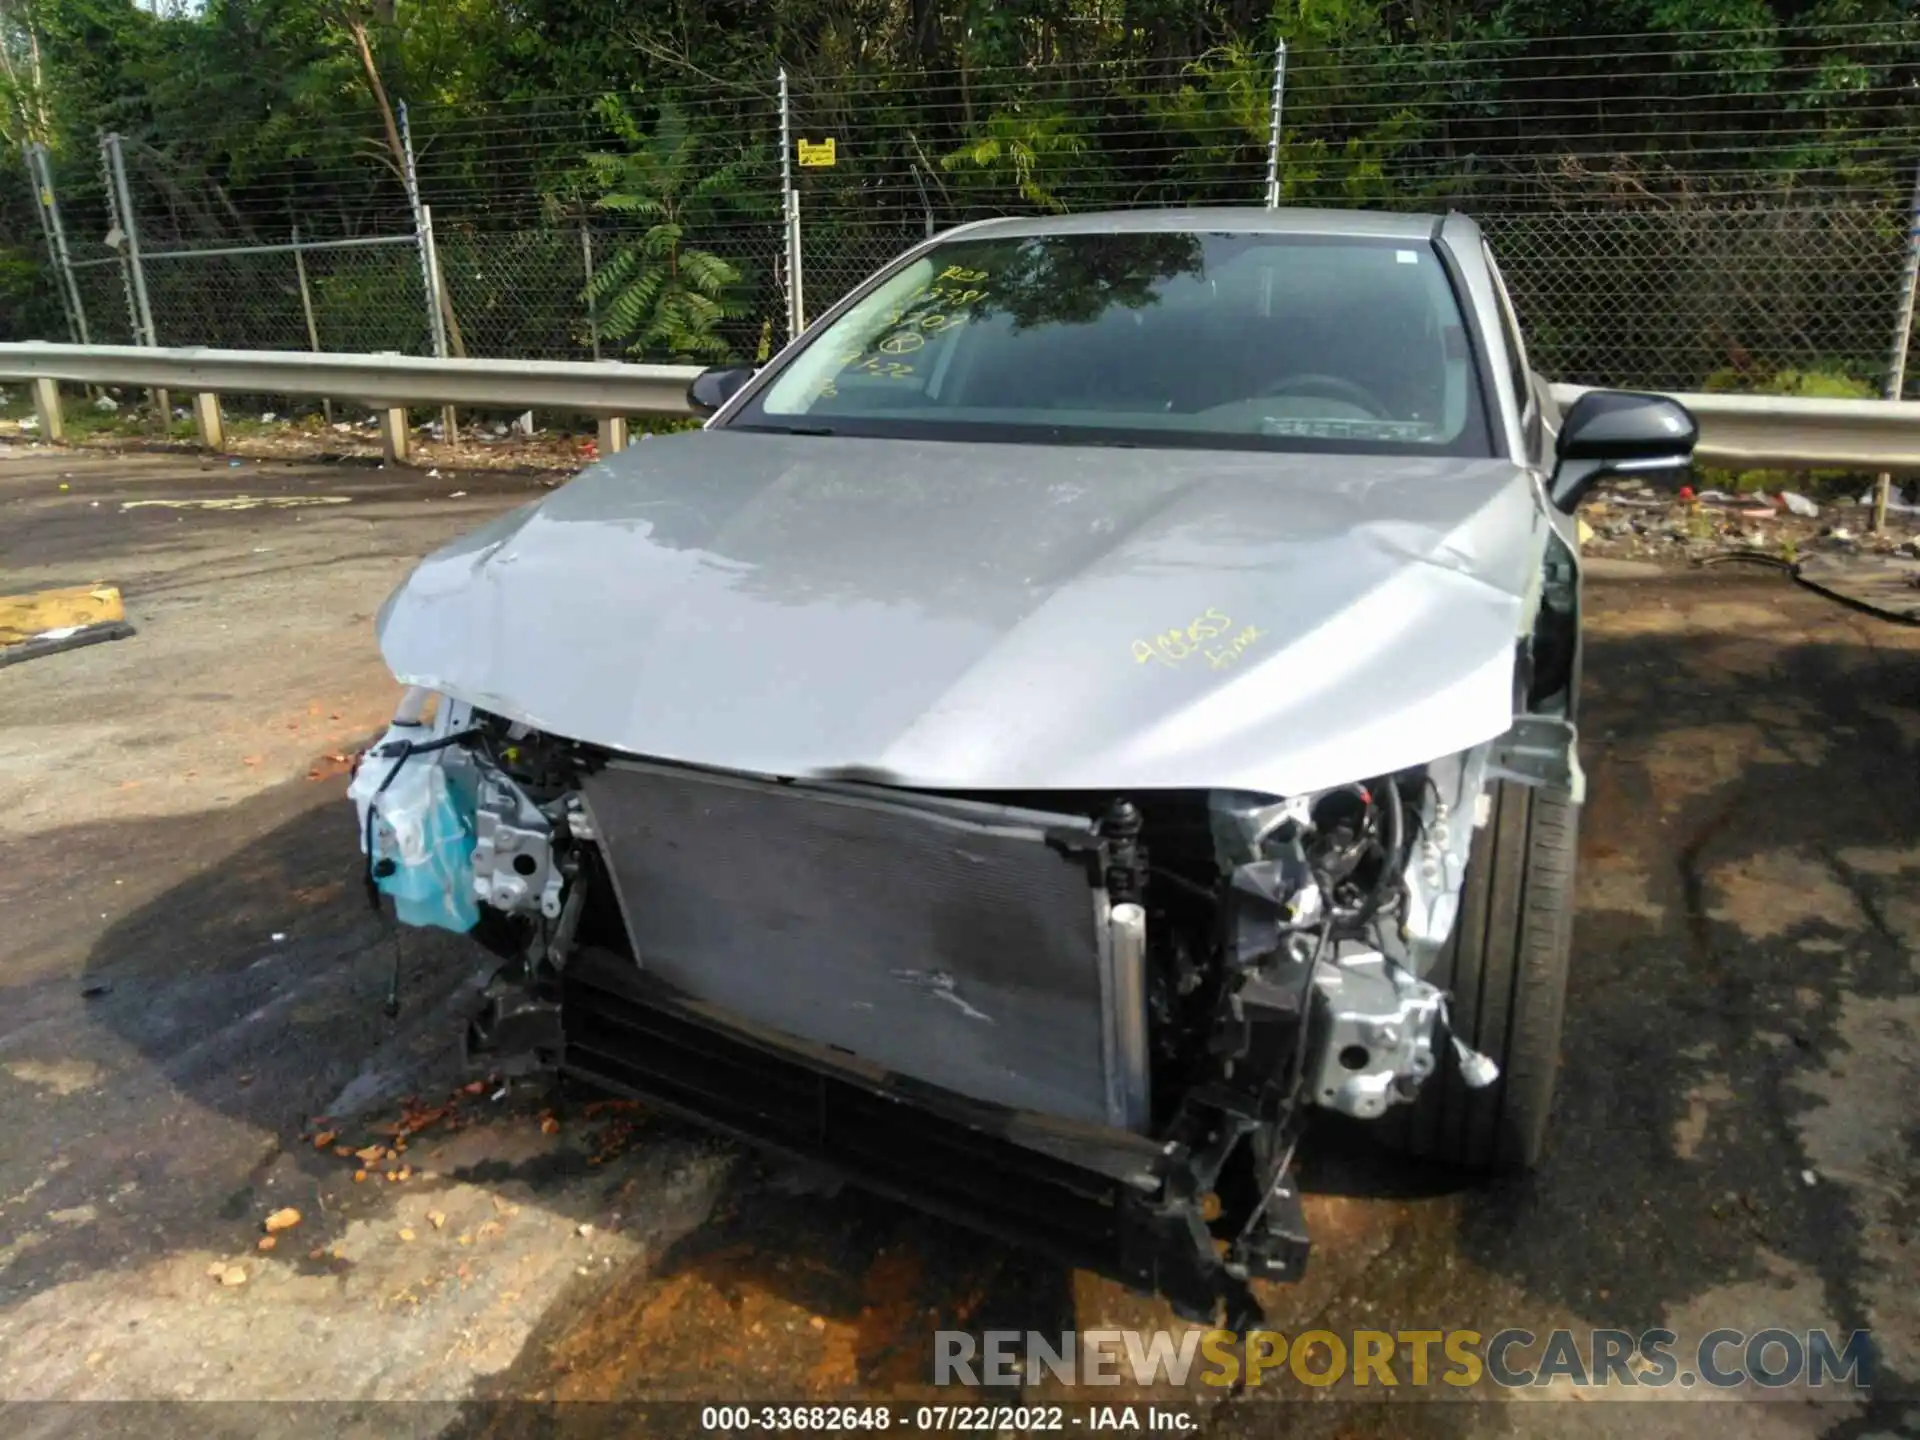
1505, 971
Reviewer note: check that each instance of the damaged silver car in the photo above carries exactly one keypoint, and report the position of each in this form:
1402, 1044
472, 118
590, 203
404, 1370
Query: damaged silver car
1103, 694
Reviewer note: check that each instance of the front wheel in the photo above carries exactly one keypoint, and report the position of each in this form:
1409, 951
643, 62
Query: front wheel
1505, 971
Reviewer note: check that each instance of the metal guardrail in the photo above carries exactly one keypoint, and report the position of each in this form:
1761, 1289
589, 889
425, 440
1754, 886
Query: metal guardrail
1736, 431
608, 389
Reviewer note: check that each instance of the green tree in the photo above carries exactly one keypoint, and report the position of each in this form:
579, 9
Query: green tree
659, 292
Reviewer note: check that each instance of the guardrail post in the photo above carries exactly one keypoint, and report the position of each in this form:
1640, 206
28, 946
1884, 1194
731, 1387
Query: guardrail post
206, 418
395, 437
613, 435
46, 404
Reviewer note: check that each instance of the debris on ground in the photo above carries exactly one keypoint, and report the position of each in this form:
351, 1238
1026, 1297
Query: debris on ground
1632, 519
283, 1219
46, 622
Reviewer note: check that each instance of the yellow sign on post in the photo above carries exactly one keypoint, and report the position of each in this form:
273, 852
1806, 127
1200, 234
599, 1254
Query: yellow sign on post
815, 152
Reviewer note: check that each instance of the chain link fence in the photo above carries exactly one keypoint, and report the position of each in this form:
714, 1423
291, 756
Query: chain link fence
1642, 245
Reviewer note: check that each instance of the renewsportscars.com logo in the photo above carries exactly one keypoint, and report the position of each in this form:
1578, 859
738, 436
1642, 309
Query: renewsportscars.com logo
1767, 1359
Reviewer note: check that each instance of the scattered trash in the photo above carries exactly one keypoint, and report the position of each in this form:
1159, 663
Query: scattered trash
407, 1235
499, 1095
343, 425
1809, 1179
584, 1231
499, 429
284, 1219
227, 1274
106, 405
325, 1138
433, 474
525, 423
458, 495
278, 936
268, 418
1686, 492
436, 1219
233, 464
266, 1242
29, 424
1799, 504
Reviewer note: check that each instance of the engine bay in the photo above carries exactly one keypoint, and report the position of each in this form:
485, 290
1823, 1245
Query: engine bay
1233, 962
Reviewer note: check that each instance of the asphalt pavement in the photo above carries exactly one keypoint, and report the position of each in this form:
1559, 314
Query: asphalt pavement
192, 1039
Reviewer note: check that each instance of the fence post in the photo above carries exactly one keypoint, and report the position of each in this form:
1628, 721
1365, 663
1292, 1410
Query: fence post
1273, 130
790, 211
429, 267
121, 198
1902, 335
586, 262
47, 207
306, 308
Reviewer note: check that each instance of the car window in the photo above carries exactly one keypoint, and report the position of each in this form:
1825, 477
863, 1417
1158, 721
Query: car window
1261, 341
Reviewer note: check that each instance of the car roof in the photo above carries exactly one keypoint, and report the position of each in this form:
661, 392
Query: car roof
1246, 219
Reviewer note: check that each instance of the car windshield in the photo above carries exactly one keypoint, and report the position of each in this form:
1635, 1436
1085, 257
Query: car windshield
1257, 341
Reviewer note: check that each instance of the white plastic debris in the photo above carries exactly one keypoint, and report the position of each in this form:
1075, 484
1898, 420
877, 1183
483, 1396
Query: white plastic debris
269, 417
1809, 1179
278, 936
499, 429
1799, 504
433, 474
525, 423
106, 404
457, 495
30, 423
343, 425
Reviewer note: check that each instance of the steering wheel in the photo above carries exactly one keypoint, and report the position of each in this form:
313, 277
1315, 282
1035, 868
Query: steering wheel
1330, 387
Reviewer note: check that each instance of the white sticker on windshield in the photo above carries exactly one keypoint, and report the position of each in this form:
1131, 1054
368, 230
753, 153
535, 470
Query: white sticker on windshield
1407, 257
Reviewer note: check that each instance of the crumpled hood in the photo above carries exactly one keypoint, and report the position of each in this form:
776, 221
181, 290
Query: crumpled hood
972, 616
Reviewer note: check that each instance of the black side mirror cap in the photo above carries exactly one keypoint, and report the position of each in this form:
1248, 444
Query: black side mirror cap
713, 388
1615, 432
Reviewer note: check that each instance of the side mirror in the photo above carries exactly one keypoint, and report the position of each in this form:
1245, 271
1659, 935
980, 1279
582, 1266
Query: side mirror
1610, 432
713, 388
